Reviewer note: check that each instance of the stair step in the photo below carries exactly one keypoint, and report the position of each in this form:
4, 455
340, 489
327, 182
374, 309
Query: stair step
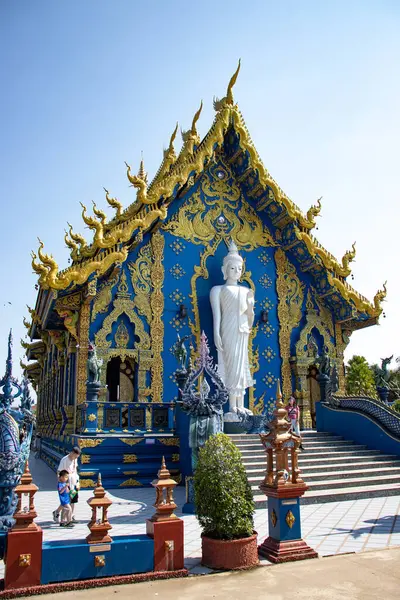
330, 470
310, 479
338, 484
350, 493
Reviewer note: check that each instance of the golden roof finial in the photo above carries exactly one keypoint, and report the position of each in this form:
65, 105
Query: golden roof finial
99, 213
77, 237
229, 94
138, 183
26, 323
46, 259
142, 173
114, 203
228, 100
191, 137
347, 258
313, 212
379, 298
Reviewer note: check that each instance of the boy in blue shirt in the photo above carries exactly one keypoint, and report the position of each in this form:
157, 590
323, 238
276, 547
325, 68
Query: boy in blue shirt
64, 495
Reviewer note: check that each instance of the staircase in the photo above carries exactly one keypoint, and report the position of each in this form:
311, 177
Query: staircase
333, 468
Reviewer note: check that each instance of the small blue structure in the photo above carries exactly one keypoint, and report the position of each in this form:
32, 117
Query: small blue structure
70, 560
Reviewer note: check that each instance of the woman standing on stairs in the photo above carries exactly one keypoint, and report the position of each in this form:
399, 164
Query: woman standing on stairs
294, 416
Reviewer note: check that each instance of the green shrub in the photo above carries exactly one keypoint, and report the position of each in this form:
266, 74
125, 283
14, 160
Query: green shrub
223, 497
396, 405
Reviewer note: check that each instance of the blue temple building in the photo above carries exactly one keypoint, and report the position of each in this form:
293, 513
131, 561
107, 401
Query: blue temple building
145, 277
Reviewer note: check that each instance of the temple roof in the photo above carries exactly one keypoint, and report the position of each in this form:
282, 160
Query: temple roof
113, 239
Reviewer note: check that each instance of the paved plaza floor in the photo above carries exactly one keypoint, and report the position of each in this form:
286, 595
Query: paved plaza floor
330, 528
366, 576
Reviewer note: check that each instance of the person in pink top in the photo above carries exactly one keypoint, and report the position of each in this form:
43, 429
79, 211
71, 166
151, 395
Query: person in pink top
293, 412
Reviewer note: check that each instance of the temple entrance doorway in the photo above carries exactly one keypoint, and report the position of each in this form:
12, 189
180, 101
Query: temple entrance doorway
313, 391
120, 380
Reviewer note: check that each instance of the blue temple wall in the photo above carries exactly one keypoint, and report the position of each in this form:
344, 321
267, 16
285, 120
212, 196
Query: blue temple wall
182, 258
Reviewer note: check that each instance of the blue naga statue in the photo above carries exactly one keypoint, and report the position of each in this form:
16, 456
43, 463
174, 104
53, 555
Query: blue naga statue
15, 438
204, 408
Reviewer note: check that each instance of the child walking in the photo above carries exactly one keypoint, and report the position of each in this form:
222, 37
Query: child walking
64, 495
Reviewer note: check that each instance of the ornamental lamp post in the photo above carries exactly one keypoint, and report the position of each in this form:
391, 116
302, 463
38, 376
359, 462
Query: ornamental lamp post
283, 486
25, 512
99, 527
164, 503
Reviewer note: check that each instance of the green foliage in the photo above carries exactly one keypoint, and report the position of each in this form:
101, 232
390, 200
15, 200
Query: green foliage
360, 379
396, 405
223, 497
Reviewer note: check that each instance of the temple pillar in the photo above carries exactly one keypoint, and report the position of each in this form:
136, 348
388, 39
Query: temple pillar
302, 393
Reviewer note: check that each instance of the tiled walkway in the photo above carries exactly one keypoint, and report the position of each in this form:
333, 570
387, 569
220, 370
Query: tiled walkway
330, 528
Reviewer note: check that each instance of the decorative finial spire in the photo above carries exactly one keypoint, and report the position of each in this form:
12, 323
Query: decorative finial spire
228, 100
229, 93
142, 173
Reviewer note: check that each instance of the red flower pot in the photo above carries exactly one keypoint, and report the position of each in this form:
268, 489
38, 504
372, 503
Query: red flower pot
229, 554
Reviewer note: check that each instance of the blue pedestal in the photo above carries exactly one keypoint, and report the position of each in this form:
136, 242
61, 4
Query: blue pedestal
284, 543
284, 518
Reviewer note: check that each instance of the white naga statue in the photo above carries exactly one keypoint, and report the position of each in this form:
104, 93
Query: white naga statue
233, 313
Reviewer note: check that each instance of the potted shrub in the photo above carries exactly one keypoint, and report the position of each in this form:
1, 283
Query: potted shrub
224, 506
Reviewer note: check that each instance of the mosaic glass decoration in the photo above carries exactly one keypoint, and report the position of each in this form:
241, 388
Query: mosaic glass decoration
177, 246
264, 257
267, 329
177, 297
265, 281
176, 323
266, 304
269, 379
269, 354
177, 271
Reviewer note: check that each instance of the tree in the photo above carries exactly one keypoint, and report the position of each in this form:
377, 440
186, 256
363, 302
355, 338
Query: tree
360, 379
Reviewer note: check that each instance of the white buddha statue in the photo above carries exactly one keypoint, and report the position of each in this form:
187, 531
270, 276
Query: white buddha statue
233, 314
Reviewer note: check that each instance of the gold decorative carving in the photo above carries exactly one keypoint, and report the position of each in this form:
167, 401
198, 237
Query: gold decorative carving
71, 302
103, 297
100, 560
141, 280
314, 320
130, 472
290, 293
157, 308
172, 441
130, 483
122, 336
201, 219
87, 483
130, 458
89, 443
71, 319
200, 271
92, 417
175, 458
131, 441
24, 560
122, 305
290, 519
84, 322
274, 518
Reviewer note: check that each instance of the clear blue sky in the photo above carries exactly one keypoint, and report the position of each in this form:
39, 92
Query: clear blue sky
87, 84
